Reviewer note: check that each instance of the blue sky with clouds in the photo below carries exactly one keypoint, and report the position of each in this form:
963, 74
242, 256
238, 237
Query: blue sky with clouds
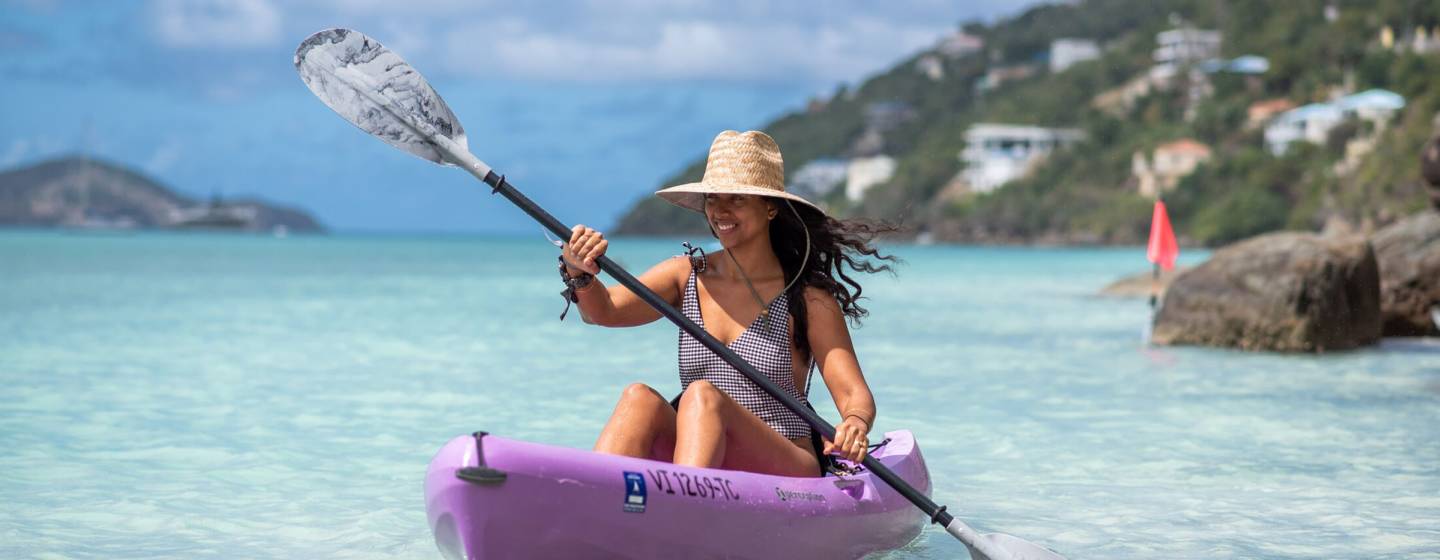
584, 104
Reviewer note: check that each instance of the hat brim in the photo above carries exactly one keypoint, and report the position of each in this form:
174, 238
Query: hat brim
691, 196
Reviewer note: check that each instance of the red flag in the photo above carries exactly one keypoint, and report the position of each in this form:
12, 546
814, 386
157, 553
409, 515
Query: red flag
1162, 250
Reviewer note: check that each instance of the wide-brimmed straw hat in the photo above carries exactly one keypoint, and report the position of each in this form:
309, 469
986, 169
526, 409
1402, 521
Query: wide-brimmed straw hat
739, 163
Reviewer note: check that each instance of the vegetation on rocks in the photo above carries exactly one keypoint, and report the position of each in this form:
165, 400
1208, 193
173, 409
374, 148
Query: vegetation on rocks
1085, 194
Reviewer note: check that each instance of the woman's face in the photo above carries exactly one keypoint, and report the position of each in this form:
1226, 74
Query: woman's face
738, 217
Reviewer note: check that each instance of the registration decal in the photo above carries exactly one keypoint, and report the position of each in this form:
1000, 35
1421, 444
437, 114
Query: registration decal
634, 492
693, 485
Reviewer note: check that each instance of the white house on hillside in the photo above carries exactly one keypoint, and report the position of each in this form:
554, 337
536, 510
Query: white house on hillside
959, 44
1374, 105
1260, 112
1183, 46
1308, 123
996, 76
931, 66
1312, 123
863, 173
818, 178
1065, 53
996, 154
1172, 161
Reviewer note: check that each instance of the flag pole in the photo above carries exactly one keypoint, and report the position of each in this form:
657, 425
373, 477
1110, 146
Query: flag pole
1154, 270
1161, 251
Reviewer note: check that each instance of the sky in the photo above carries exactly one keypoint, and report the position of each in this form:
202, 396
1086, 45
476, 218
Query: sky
585, 105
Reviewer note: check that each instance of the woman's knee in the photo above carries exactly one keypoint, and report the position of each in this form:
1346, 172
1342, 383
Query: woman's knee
640, 393
701, 395
640, 398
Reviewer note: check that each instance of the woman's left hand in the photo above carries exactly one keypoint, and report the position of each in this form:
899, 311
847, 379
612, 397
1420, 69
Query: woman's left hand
851, 441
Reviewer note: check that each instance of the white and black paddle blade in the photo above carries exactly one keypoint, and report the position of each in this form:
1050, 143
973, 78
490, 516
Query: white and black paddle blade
1021, 549
377, 91
998, 546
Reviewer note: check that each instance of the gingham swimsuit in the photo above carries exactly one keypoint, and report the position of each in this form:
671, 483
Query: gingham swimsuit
765, 345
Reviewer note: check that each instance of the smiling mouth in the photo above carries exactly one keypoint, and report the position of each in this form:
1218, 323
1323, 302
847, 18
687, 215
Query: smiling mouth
725, 227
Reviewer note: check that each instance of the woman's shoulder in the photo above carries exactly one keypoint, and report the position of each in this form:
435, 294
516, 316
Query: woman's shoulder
820, 299
676, 267
674, 270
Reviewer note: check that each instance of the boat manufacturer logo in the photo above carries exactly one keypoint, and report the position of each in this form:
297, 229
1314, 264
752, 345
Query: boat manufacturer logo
634, 492
794, 496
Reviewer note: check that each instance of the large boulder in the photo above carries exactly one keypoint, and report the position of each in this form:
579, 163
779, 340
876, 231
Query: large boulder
1430, 169
1409, 256
1288, 292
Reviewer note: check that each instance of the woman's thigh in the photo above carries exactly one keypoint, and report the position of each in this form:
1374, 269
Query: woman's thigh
750, 444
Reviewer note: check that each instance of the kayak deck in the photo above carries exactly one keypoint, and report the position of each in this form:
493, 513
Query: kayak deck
494, 497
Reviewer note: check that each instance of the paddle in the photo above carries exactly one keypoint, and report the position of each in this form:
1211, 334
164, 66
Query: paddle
378, 92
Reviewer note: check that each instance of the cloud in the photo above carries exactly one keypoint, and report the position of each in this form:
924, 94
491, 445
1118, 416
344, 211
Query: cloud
409, 7
410, 38
215, 24
687, 49
233, 49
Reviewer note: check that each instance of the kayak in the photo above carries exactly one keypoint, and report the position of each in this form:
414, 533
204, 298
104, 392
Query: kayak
488, 496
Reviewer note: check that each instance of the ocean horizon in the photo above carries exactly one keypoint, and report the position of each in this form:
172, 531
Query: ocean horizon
219, 395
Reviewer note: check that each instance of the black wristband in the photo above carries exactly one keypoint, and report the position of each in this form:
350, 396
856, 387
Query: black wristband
576, 282
573, 284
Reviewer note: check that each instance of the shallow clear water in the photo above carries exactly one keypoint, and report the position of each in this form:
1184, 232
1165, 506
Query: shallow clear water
227, 396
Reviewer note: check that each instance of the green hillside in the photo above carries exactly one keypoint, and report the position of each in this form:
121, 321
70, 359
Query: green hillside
1085, 193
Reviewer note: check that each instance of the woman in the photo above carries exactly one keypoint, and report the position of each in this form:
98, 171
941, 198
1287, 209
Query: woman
776, 295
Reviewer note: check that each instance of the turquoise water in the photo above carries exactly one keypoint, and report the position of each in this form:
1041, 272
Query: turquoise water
219, 396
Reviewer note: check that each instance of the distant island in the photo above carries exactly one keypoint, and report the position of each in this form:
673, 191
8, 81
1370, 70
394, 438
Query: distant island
85, 193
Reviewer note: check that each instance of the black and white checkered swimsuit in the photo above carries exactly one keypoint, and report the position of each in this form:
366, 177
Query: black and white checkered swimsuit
765, 345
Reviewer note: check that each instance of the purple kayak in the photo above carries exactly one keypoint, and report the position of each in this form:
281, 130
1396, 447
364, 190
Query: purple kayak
491, 497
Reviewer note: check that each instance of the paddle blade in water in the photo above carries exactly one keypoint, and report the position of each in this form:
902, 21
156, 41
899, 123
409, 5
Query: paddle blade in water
998, 546
1021, 549
377, 91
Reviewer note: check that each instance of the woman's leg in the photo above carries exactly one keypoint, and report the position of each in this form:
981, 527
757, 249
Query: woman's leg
712, 430
643, 425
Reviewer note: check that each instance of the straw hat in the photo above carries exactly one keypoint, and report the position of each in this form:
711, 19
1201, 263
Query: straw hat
739, 163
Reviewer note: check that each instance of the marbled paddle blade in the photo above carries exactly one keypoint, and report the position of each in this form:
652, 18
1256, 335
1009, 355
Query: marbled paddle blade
1021, 549
377, 91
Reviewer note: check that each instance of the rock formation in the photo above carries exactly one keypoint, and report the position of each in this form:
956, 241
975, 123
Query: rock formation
1430, 169
1291, 292
1408, 253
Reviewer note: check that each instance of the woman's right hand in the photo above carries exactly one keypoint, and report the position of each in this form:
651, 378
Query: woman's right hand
586, 246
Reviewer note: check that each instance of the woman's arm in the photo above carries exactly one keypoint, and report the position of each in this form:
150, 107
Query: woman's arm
831, 347
618, 306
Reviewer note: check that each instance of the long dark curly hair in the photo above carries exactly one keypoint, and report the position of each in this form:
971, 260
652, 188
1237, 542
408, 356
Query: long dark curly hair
834, 246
